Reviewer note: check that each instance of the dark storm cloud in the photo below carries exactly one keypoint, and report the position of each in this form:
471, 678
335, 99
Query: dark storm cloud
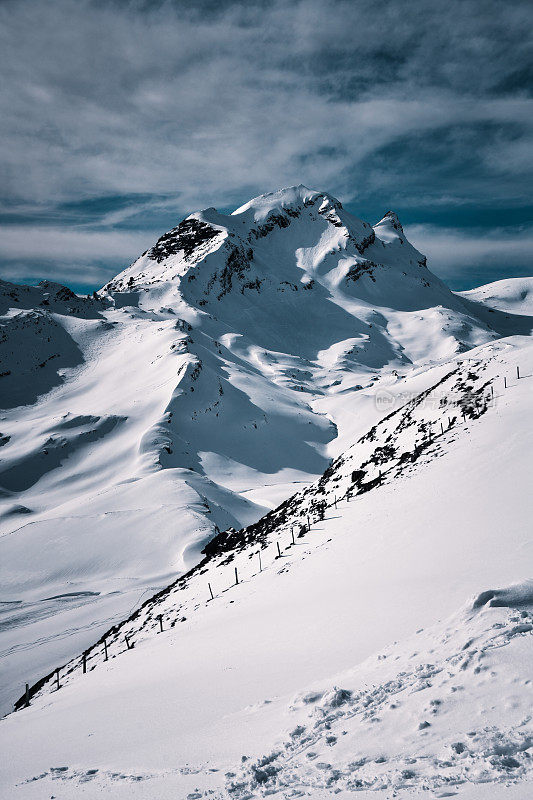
124, 115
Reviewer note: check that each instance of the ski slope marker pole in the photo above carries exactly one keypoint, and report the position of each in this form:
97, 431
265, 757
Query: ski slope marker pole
57, 677
160, 618
210, 591
292, 534
236, 577
84, 663
105, 650
279, 551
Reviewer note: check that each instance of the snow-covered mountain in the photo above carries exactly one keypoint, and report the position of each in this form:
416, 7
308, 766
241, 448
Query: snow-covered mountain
245, 361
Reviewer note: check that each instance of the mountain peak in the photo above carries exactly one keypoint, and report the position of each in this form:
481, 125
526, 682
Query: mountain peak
289, 197
391, 220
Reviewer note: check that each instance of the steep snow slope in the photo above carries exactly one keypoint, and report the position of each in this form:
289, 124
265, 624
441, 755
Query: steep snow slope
387, 650
202, 386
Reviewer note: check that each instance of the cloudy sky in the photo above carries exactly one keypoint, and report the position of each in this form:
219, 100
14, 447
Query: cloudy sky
119, 118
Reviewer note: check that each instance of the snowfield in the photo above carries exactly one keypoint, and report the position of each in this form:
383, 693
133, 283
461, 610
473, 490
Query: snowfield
319, 457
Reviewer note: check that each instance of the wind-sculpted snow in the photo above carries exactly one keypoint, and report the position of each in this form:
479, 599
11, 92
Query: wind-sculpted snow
64, 441
33, 350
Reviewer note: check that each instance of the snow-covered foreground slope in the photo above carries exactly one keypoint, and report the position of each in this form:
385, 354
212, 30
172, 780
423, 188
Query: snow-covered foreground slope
388, 650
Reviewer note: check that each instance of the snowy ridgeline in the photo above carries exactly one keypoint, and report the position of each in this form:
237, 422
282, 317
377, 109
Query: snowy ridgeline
165, 427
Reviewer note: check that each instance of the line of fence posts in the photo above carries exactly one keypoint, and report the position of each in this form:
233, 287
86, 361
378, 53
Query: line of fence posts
518, 376
160, 616
380, 478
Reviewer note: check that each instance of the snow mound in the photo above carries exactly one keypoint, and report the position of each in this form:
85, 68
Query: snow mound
520, 595
511, 294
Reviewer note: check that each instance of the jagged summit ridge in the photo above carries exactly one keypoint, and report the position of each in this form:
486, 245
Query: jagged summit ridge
292, 239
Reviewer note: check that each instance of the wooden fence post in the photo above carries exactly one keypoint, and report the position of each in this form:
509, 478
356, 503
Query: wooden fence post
160, 618
292, 534
57, 678
236, 577
27, 695
84, 663
518, 372
210, 591
504, 382
127, 642
279, 551
105, 650
260, 565
308, 523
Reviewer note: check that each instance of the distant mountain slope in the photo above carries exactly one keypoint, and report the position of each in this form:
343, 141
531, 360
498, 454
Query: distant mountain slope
514, 295
196, 391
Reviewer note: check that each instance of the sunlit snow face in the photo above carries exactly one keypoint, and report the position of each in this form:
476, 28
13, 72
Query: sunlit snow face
120, 119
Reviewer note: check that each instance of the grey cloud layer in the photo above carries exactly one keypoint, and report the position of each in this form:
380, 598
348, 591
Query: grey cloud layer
212, 104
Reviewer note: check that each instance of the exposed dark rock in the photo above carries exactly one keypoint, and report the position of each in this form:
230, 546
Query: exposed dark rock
186, 237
